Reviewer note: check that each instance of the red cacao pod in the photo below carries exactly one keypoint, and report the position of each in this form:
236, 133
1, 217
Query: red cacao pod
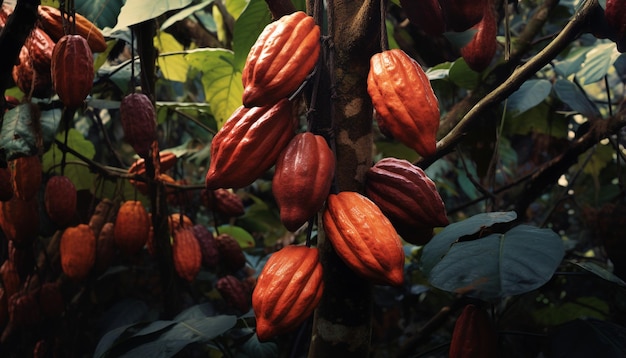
4, 307
234, 292
412, 117
60, 199
23, 257
186, 254
364, 238
72, 70
105, 247
223, 201
132, 227
10, 278
19, 219
32, 73
51, 302
52, 22
138, 118
474, 335
6, 187
615, 14
287, 291
407, 196
479, 52
231, 254
23, 310
302, 178
249, 144
425, 14
280, 59
26, 176
208, 246
78, 251
461, 15
104, 212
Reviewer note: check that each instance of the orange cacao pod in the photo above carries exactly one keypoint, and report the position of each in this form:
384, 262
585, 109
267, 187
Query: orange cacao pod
287, 291
179, 221
474, 335
52, 22
6, 188
462, 14
412, 117
223, 201
231, 254
280, 60
186, 253
19, 219
60, 199
132, 227
479, 52
302, 179
78, 251
615, 14
249, 144
26, 174
234, 292
23, 310
139, 122
364, 238
105, 247
208, 246
167, 160
72, 70
425, 14
407, 196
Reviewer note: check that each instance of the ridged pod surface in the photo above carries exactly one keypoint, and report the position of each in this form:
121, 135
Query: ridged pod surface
72, 70
302, 178
249, 144
234, 292
138, 118
615, 14
425, 14
19, 219
26, 176
186, 254
364, 238
6, 188
78, 251
287, 291
52, 22
132, 227
404, 100
60, 199
32, 73
474, 335
280, 59
479, 52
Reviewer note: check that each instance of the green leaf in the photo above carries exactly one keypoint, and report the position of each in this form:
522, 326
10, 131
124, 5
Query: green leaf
581, 307
221, 80
599, 271
572, 63
77, 171
200, 328
571, 95
587, 337
182, 14
137, 11
463, 76
50, 120
243, 237
18, 137
248, 28
598, 62
601, 157
530, 94
539, 119
236, 7
103, 13
174, 66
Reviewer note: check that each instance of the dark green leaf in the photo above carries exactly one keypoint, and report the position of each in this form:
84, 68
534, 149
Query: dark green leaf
182, 14
599, 271
201, 310
463, 76
18, 136
583, 338
200, 329
50, 120
572, 63
103, 13
571, 95
254, 348
248, 27
530, 94
597, 63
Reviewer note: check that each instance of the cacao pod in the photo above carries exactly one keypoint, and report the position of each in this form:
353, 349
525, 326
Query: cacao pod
425, 14
461, 15
51, 302
60, 199
105, 247
104, 212
249, 144
32, 74
474, 335
208, 246
132, 227
234, 292
10, 278
407, 196
4, 307
179, 221
302, 178
280, 60
19, 219
223, 201
26, 176
78, 251
186, 254
167, 160
479, 52
412, 117
23, 310
51, 21
72, 70
231, 254
364, 238
6, 187
615, 14
287, 291
23, 257
138, 118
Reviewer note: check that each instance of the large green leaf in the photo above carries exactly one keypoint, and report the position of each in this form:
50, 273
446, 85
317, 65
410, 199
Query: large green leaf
171, 60
463, 76
103, 13
76, 170
530, 94
247, 28
221, 80
181, 15
137, 11
572, 63
574, 97
243, 237
18, 136
597, 63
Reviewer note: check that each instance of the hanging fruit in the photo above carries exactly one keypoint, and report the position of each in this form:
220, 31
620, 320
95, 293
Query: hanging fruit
78, 251
461, 15
26, 176
19, 219
60, 199
474, 335
72, 70
186, 253
132, 227
51, 20
234, 292
138, 118
615, 14
479, 52
425, 14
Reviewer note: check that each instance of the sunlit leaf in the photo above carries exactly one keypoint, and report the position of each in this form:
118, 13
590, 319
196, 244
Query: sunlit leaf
562, 312
137, 11
182, 14
530, 94
572, 95
242, 236
598, 62
247, 28
173, 66
572, 63
76, 170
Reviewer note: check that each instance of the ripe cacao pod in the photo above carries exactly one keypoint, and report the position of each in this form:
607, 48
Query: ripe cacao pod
234, 292
10, 278
132, 227
479, 52
474, 335
186, 254
231, 254
407, 196
23, 310
208, 246
280, 60
167, 160
138, 118
425, 14
51, 21
32, 73
78, 251
302, 178
105, 247
223, 201
104, 212
179, 221
72, 70
412, 117
461, 15
60, 199
51, 302
19, 219
6, 187
4, 307
249, 144
26, 176
364, 238
287, 291
615, 14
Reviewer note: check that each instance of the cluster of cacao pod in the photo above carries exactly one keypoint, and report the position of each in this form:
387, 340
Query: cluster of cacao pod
53, 61
474, 334
435, 17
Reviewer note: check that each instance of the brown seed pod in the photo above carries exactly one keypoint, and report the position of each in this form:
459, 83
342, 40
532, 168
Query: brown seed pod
138, 118
10, 278
132, 227
104, 212
19, 219
32, 72
178, 221
231, 254
223, 201
234, 292
479, 52
72, 70
105, 247
52, 22
208, 246
474, 335
186, 254
60, 199
26, 176
4, 307
78, 251
24, 310
51, 302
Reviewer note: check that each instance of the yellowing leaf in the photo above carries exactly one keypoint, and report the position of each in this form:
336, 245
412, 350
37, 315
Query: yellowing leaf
173, 66
76, 170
